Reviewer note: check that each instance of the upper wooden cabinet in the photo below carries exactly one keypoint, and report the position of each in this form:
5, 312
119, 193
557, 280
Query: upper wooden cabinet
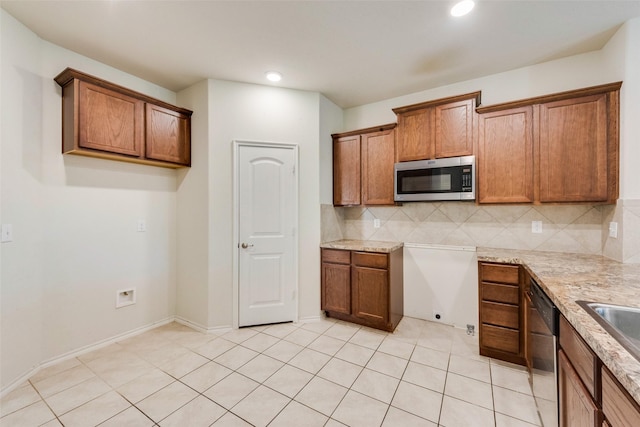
363, 166
559, 148
436, 129
102, 119
505, 156
574, 140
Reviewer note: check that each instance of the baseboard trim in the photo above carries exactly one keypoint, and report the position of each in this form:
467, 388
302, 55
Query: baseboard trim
201, 328
83, 350
310, 319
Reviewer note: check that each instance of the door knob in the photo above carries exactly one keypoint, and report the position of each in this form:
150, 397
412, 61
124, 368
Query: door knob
246, 245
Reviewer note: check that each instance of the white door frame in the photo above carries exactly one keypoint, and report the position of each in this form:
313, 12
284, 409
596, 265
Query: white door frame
236, 223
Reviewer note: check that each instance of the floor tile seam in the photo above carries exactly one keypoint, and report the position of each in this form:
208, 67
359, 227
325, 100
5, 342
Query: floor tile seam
33, 383
135, 405
83, 403
132, 405
394, 391
240, 401
45, 402
512, 390
2, 414
32, 404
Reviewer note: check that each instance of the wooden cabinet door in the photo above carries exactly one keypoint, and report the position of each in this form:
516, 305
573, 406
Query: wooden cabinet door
167, 135
454, 129
617, 405
416, 132
370, 294
577, 408
346, 170
110, 121
573, 150
378, 154
336, 287
505, 156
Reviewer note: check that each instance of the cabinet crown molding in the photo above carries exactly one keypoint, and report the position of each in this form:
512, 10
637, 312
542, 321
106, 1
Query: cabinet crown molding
69, 74
559, 96
436, 102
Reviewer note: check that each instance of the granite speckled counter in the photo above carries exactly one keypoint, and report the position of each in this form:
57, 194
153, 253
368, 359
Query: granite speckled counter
363, 245
568, 278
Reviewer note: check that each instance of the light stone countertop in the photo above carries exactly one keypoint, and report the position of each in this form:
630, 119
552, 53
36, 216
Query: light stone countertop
363, 245
567, 278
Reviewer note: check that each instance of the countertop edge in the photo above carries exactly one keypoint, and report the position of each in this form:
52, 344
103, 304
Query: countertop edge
363, 245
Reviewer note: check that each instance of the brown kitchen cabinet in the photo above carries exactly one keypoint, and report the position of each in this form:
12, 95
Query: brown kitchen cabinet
588, 393
558, 148
500, 312
363, 166
618, 407
105, 120
578, 380
505, 156
363, 287
579, 149
577, 407
437, 129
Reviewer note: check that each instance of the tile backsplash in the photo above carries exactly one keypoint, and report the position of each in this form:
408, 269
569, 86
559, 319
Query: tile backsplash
565, 228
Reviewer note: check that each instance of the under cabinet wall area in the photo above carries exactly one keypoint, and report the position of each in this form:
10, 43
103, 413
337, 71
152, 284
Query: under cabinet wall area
104, 120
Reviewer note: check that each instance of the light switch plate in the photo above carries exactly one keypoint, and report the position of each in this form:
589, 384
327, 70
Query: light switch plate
7, 233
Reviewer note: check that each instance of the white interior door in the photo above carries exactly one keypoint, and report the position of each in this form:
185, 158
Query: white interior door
267, 209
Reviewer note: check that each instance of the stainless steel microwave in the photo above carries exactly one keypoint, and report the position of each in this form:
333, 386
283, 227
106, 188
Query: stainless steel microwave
453, 178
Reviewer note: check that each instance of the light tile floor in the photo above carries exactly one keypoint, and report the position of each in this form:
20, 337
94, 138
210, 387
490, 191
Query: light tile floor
327, 373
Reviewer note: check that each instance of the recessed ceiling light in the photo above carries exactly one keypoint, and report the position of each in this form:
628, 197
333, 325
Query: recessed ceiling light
462, 8
273, 76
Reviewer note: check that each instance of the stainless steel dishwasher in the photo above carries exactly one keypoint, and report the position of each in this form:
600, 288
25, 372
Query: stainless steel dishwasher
542, 332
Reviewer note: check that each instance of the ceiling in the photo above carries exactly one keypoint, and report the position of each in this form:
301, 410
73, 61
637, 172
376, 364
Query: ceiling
353, 52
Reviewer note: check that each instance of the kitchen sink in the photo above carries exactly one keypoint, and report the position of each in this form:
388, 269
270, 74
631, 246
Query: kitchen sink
623, 323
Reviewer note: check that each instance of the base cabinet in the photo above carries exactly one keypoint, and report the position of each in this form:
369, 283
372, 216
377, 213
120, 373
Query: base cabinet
618, 408
577, 407
500, 312
363, 287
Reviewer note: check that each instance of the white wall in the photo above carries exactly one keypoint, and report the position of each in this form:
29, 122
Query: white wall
74, 218
331, 121
193, 219
555, 76
248, 112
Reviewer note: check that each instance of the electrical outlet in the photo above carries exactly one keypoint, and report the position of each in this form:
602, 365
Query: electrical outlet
376, 223
142, 225
536, 227
613, 230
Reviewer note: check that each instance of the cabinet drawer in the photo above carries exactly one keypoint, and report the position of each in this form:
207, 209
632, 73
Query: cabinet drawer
578, 352
500, 293
619, 408
500, 338
368, 259
500, 273
500, 314
336, 256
